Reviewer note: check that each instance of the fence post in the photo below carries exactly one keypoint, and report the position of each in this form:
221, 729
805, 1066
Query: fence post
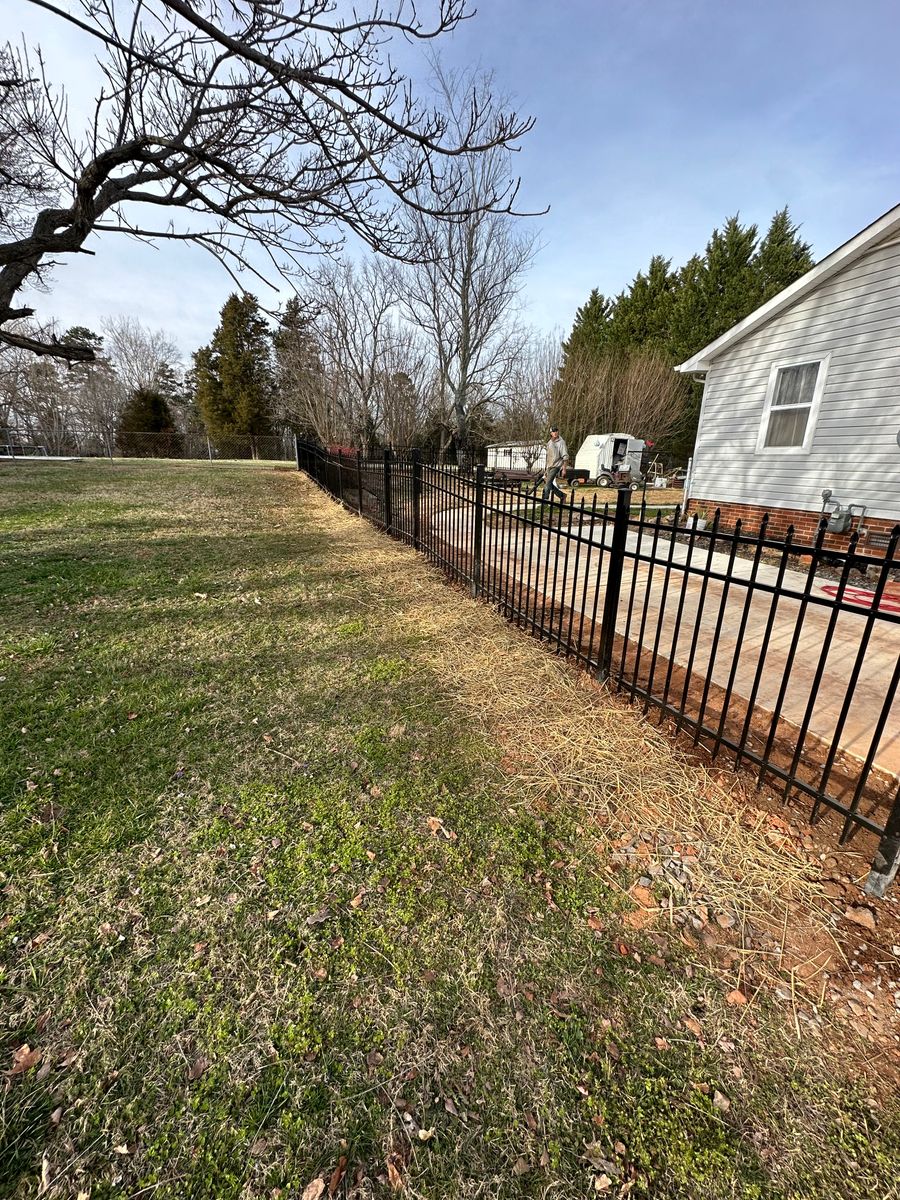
388, 516
478, 530
340, 477
417, 498
297, 451
359, 481
887, 857
613, 584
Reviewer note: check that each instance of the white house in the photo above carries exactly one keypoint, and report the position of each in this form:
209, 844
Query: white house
804, 395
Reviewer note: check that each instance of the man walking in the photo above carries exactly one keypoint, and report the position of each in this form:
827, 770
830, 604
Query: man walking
557, 457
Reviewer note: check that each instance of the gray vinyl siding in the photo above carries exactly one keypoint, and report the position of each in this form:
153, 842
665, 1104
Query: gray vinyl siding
855, 316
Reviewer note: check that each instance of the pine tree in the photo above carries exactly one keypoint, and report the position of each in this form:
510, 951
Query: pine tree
782, 257
233, 375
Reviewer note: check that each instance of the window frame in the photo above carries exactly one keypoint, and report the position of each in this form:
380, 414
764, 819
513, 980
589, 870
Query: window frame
822, 361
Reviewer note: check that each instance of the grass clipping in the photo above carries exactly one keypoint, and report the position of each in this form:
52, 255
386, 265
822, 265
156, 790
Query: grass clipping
563, 740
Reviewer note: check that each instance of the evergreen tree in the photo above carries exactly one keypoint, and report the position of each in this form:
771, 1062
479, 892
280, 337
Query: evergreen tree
146, 412
675, 314
233, 375
590, 333
728, 282
642, 316
782, 257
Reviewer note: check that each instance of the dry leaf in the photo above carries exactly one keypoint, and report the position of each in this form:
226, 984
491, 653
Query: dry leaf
24, 1059
200, 1065
596, 924
692, 1025
521, 1166
123, 1149
202, 900
661, 1043
736, 997
436, 825
397, 731
370, 855
425, 1135
314, 1189
721, 1102
374, 1059
395, 1179
337, 1175
358, 898
317, 918
602, 1183
56, 1117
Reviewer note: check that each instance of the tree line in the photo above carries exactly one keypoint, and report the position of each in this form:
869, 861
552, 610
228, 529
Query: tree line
617, 363
291, 130
373, 352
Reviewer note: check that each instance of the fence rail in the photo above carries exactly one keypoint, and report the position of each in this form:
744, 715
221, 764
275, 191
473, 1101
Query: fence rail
784, 657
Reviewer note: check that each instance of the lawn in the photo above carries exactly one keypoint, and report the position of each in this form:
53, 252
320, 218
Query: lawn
282, 917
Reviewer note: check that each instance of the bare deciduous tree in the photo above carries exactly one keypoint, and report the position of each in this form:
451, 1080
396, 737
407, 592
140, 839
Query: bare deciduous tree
634, 392
355, 326
143, 358
525, 404
463, 289
266, 123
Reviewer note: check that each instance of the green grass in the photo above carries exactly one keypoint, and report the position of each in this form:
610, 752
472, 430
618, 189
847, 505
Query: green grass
263, 913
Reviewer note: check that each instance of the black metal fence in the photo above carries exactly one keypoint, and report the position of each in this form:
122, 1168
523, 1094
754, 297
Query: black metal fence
785, 657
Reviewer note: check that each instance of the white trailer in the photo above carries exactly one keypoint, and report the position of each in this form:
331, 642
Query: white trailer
514, 459
604, 457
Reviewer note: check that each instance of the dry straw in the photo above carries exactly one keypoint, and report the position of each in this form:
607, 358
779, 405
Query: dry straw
564, 740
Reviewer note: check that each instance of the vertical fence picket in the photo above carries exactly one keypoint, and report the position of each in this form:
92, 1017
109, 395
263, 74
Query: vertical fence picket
386, 479
499, 541
478, 530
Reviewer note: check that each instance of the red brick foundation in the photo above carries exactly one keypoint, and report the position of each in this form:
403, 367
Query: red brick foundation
805, 523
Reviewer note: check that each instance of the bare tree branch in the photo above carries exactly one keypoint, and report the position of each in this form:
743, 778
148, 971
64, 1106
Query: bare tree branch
288, 129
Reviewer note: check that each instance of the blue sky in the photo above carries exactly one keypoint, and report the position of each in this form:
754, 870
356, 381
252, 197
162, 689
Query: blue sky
656, 119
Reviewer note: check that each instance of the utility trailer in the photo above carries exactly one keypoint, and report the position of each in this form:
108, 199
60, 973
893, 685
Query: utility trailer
610, 460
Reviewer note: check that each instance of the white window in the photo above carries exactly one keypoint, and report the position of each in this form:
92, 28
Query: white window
792, 404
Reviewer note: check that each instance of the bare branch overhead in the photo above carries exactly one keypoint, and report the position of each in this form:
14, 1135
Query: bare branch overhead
280, 126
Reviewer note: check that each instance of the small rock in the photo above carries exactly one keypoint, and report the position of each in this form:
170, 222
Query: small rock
862, 916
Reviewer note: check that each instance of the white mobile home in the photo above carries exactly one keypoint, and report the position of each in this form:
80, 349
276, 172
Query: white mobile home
803, 397
514, 458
